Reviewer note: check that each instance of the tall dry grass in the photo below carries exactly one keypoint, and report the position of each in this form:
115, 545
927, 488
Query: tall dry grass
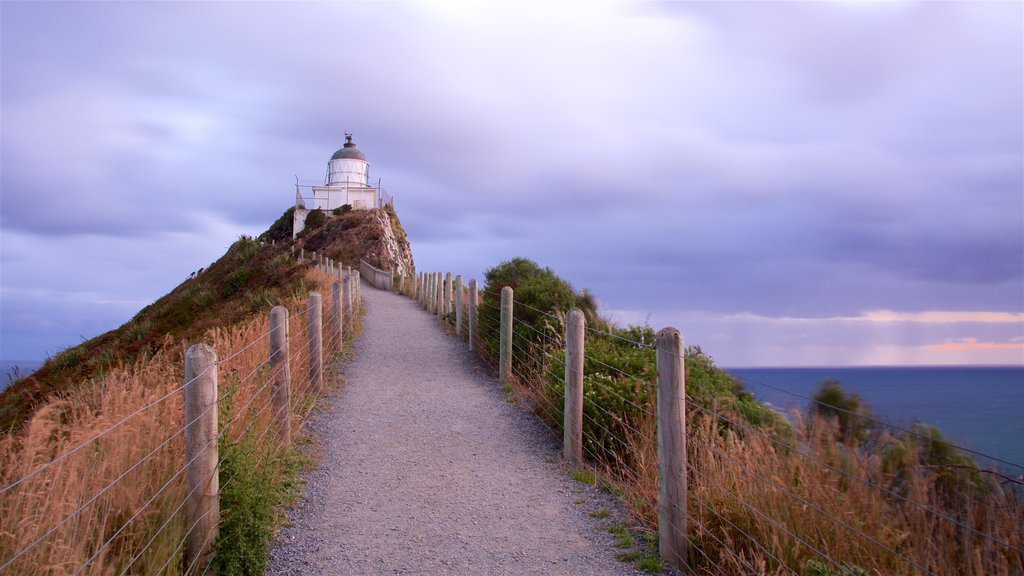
112, 500
759, 503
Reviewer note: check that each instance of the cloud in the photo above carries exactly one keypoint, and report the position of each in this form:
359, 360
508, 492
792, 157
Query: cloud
792, 162
890, 316
972, 344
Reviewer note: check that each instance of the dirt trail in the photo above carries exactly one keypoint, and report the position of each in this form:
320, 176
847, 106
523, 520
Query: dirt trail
427, 469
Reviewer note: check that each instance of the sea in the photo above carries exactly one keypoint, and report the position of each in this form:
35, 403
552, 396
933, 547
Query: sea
979, 408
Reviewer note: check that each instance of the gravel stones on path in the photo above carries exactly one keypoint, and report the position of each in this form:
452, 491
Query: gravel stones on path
427, 469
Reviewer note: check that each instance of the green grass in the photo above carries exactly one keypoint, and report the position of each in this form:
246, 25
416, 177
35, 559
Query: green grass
651, 564
645, 557
623, 539
600, 514
510, 393
584, 476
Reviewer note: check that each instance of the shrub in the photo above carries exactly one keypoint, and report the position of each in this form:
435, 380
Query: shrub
540, 296
833, 402
281, 229
315, 219
343, 209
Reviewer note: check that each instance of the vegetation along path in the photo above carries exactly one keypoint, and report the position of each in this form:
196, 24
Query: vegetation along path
428, 469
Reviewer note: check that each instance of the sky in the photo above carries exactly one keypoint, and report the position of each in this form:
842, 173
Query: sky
789, 184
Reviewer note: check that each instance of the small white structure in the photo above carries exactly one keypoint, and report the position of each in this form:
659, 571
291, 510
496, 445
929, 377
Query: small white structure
347, 182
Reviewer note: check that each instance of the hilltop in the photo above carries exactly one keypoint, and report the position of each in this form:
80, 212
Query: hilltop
253, 275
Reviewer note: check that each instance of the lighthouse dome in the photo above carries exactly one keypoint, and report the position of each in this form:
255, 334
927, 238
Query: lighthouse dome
349, 151
348, 166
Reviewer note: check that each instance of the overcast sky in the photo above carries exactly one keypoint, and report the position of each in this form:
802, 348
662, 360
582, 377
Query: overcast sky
787, 183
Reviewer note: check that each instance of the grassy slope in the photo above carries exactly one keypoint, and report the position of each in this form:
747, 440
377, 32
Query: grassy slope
251, 276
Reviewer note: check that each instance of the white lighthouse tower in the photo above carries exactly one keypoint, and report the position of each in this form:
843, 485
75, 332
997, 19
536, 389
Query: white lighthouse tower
347, 182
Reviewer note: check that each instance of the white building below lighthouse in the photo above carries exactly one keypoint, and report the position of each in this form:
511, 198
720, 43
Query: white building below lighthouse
347, 183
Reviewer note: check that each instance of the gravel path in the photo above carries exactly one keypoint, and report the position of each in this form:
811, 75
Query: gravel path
427, 469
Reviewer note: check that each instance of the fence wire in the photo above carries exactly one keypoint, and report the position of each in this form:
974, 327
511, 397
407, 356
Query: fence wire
606, 431
251, 411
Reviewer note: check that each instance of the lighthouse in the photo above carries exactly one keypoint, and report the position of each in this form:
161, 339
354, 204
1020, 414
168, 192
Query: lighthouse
347, 183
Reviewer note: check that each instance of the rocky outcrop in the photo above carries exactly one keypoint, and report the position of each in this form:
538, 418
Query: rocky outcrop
375, 235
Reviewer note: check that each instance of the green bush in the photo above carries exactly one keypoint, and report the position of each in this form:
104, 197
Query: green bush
256, 479
315, 219
281, 229
540, 296
343, 209
238, 280
833, 402
620, 368
244, 249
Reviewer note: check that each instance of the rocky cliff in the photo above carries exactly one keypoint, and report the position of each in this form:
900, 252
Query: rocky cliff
375, 235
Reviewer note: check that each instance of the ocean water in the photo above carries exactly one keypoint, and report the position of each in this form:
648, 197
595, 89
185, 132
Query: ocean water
978, 407
7, 370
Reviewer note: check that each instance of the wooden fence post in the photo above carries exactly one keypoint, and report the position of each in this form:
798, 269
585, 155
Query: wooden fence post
441, 285
202, 508
431, 292
447, 293
315, 328
338, 320
439, 297
459, 305
505, 352
671, 449
575, 326
474, 295
280, 367
346, 288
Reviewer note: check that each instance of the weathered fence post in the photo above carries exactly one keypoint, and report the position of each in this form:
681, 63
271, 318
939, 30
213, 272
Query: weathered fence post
302, 254
459, 305
315, 330
280, 367
447, 293
424, 301
346, 288
671, 449
202, 508
338, 320
474, 296
575, 326
431, 297
439, 296
505, 352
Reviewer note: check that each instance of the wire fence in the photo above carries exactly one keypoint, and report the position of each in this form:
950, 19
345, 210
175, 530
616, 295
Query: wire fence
96, 483
764, 493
